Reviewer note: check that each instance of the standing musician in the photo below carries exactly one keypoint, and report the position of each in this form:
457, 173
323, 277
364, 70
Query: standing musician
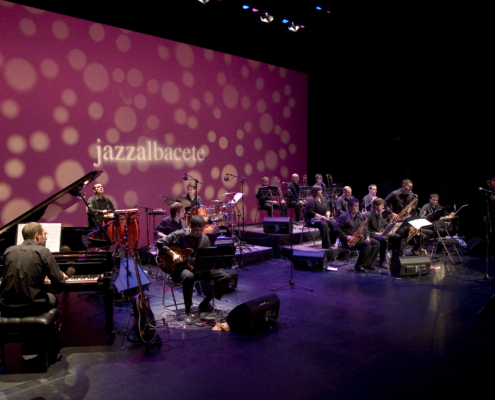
192, 196
269, 203
293, 189
99, 204
348, 223
399, 199
368, 199
342, 203
173, 222
317, 207
376, 225
319, 182
184, 273
26, 267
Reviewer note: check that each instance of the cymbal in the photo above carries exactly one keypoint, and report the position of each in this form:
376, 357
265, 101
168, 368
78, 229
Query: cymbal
225, 194
159, 196
170, 200
215, 201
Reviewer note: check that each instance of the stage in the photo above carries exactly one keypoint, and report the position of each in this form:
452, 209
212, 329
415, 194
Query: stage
354, 336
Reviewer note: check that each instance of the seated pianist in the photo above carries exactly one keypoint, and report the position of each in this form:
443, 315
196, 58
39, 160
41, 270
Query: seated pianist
173, 222
26, 267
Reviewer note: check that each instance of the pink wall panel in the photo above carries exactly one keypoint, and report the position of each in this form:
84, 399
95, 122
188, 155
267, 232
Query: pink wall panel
76, 96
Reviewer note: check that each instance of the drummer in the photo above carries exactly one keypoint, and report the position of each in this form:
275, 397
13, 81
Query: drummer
192, 196
174, 222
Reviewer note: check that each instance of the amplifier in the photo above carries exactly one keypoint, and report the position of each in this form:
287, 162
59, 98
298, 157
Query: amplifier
310, 260
224, 241
410, 266
278, 225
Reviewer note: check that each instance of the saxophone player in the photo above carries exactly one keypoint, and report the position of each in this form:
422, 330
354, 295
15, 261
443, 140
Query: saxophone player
376, 225
400, 199
368, 199
347, 224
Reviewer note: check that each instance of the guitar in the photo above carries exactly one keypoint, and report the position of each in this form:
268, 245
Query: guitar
167, 264
144, 320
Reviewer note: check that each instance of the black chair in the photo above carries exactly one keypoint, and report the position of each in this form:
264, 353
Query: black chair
39, 331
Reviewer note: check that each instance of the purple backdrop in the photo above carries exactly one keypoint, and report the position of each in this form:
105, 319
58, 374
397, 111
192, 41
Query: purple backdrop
77, 96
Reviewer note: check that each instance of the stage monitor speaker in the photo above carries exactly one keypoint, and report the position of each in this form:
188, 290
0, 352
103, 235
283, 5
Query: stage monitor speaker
309, 260
476, 247
127, 278
488, 309
254, 315
410, 266
278, 225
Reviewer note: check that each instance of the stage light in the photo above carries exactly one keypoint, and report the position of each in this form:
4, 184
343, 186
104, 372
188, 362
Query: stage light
318, 8
255, 10
204, 1
293, 27
265, 17
284, 21
245, 7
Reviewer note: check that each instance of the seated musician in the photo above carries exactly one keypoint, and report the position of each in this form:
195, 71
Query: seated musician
347, 224
319, 182
173, 222
367, 200
342, 203
99, 204
293, 189
184, 274
192, 196
269, 203
317, 207
428, 209
26, 267
376, 225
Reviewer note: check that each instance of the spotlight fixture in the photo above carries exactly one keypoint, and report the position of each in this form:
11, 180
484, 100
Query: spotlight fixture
293, 27
265, 17
204, 1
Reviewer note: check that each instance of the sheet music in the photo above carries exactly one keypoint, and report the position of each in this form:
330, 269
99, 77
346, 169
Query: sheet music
53, 235
419, 223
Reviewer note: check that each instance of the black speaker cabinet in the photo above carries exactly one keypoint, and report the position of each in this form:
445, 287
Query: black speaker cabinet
476, 247
254, 315
309, 260
410, 266
277, 225
488, 309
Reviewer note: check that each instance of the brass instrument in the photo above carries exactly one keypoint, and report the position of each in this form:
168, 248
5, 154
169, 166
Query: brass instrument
358, 234
412, 232
452, 215
405, 212
279, 185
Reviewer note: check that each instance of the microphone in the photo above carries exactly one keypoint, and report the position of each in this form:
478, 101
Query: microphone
486, 190
185, 177
226, 178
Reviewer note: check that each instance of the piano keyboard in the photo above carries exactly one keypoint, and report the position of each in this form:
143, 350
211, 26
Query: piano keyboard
84, 278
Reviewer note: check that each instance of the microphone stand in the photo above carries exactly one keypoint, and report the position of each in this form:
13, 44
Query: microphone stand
194, 179
488, 232
242, 179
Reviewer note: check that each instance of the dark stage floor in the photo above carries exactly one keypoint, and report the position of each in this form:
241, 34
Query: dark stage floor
354, 337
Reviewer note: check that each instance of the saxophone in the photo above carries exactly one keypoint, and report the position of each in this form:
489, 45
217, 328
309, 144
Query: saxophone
405, 212
358, 234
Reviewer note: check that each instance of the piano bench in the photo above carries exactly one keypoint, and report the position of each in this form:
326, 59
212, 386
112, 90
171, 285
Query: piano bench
39, 331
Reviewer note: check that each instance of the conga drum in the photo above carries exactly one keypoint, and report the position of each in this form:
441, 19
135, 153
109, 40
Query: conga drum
111, 226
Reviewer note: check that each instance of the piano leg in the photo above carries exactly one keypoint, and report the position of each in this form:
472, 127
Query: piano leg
108, 304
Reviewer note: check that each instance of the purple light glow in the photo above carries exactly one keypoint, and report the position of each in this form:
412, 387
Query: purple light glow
255, 10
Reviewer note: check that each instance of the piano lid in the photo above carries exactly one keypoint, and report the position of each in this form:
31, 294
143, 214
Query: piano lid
53, 206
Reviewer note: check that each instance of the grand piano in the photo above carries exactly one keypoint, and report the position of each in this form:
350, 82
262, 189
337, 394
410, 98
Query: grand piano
93, 269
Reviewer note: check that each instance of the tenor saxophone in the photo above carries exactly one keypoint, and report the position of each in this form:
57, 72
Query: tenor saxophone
358, 234
405, 212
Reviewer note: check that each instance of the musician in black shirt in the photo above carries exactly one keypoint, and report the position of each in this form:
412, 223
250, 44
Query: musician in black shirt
194, 239
192, 196
348, 223
376, 225
293, 189
342, 203
399, 199
99, 204
317, 207
368, 199
269, 203
26, 266
172, 223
